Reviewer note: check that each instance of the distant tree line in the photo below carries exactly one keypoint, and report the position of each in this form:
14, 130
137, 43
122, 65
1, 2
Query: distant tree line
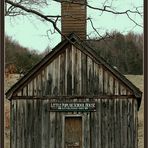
125, 52
23, 58
122, 51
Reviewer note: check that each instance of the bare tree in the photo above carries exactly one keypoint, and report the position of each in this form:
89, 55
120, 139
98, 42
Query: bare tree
34, 7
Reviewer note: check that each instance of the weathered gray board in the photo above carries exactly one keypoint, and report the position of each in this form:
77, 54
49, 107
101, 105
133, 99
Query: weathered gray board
112, 125
73, 72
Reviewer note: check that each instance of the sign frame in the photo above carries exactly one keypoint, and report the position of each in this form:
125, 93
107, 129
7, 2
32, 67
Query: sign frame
72, 107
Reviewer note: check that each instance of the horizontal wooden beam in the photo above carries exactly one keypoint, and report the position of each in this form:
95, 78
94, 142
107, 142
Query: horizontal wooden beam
73, 97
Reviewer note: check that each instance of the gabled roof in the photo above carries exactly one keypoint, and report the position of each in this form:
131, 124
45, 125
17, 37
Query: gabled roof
83, 46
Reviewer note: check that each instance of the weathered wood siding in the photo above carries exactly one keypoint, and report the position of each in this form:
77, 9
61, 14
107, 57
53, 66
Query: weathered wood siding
73, 75
73, 72
113, 125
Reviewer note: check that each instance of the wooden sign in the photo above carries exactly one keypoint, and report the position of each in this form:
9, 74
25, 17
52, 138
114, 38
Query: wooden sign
73, 106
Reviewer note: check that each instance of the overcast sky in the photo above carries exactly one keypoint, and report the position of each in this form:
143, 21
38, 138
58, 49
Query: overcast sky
31, 32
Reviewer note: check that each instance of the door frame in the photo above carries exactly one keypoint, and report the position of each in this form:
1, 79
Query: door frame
63, 126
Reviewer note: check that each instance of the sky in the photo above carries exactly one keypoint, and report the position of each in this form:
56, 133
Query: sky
30, 31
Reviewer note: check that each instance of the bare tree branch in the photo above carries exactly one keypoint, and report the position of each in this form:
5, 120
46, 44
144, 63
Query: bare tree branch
41, 16
134, 21
108, 9
101, 37
35, 13
105, 8
96, 8
20, 8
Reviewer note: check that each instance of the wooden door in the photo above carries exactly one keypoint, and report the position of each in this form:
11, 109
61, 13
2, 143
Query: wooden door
73, 132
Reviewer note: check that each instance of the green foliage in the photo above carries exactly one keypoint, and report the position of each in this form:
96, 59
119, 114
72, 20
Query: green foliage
23, 58
123, 51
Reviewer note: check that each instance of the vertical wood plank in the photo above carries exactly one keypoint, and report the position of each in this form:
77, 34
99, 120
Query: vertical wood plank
22, 124
45, 124
58, 130
49, 80
106, 123
124, 124
129, 138
96, 79
18, 128
25, 124
11, 127
75, 64
28, 123
43, 82
24, 93
135, 124
115, 125
62, 74
102, 124
79, 81
32, 139
84, 74
13, 124
56, 91
105, 82
86, 130
112, 124
73, 61
28, 90
118, 140
132, 123
89, 76
93, 130
39, 85
122, 90
19, 125
69, 71
111, 85
98, 124
35, 123
59, 61
116, 87
48, 123
39, 123
66, 69
35, 87
31, 88
53, 76
120, 122
52, 129
100, 80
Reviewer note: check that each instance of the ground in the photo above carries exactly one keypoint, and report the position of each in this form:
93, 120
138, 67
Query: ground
135, 79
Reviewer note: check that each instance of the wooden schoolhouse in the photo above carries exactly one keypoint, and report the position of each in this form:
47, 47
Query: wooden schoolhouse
73, 98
